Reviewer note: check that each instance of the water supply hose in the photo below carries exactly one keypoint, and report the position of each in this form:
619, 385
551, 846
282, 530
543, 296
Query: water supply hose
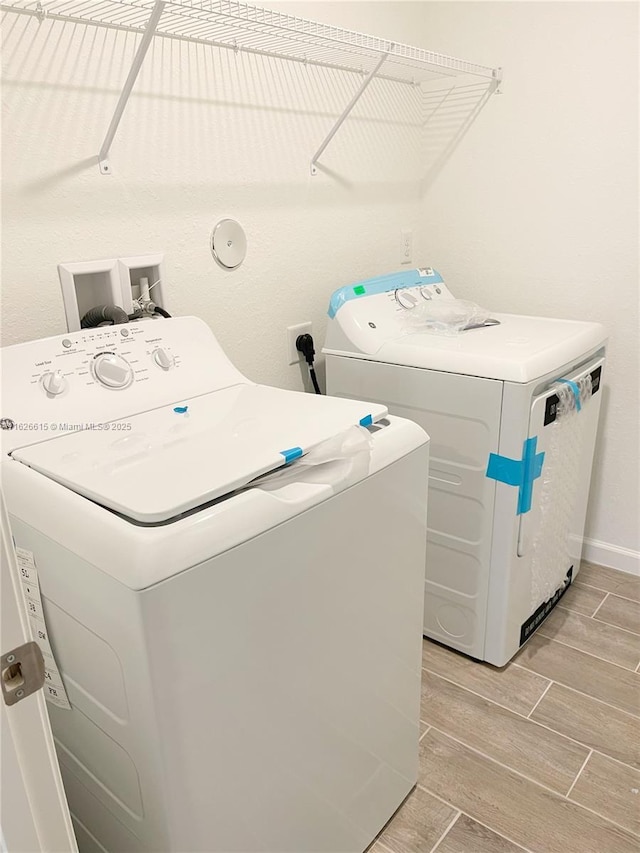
112, 314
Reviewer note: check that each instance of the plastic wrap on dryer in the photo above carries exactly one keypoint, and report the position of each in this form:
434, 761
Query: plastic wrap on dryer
560, 477
446, 317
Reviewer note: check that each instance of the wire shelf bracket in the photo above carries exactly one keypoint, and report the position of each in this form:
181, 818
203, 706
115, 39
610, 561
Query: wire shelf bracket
345, 113
143, 47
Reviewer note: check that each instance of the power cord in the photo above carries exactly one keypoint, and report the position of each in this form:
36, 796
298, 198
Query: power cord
304, 344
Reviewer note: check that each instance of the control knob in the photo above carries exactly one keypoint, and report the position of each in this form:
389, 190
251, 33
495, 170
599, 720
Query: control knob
405, 298
112, 370
54, 383
163, 358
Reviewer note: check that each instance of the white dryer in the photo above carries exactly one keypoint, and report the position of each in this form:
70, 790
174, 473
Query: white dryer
512, 411
218, 566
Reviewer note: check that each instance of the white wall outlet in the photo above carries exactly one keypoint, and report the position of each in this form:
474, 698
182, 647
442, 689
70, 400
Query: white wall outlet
292, 336
407, 246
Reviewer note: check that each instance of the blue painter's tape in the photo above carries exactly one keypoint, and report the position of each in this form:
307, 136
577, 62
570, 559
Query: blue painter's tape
518, 472
532, 468
504, 469
291, 454
181, 410
380, 284
575, 389
367, 420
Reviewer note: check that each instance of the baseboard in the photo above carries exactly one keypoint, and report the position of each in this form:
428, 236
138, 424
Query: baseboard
604, 554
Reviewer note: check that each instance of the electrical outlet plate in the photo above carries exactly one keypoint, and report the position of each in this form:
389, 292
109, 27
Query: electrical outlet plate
407, 246
293, 332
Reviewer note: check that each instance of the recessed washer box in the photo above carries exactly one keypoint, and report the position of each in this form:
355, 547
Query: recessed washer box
108, 281
137, 267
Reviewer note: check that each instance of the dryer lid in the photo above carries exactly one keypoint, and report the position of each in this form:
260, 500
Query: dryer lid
520, 349
154, 466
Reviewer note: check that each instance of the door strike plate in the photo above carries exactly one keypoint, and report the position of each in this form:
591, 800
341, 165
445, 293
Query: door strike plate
21, 672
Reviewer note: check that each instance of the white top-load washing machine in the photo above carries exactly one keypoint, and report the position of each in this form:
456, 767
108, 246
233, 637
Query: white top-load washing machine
241, 654
512, 411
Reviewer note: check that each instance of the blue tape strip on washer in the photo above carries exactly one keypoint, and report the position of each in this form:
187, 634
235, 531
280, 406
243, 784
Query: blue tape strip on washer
367, 420
575, 389
520, 473
382, 284
291, 454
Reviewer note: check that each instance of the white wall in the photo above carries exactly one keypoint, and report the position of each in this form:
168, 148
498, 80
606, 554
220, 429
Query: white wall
207, 134
535, 212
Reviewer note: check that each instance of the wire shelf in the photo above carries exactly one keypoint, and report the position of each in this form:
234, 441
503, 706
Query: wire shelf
239, 26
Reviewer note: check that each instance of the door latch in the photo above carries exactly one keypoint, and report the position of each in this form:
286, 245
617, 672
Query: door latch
22, 672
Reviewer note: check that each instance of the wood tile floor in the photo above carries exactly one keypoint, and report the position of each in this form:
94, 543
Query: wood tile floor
542, 755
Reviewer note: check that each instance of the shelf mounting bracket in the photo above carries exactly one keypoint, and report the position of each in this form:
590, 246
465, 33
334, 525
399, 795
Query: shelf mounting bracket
345, 113
496, 81
103, 156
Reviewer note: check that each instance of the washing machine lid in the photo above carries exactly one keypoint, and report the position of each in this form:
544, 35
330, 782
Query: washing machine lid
154, 466
519, 349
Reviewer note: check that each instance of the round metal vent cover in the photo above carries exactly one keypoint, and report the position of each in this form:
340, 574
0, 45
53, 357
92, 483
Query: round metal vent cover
228, 243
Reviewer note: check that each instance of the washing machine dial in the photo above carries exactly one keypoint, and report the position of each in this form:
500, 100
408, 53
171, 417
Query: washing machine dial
425, 292
54, 383
111, 370
163, 358
405, 298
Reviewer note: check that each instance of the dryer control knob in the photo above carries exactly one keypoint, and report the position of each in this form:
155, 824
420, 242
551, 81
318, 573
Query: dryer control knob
163, 359
54, 383
112, 370
405, 298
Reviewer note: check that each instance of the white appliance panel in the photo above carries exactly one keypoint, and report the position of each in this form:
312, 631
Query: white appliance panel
268, 698
288, 719
199, 366
478, 590
579, 490
518, 350
153, 466
463, 414
379, 326
139, 556
510, 583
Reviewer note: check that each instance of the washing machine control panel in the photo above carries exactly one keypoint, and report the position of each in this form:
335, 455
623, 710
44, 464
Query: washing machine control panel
113, 357
97, 375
